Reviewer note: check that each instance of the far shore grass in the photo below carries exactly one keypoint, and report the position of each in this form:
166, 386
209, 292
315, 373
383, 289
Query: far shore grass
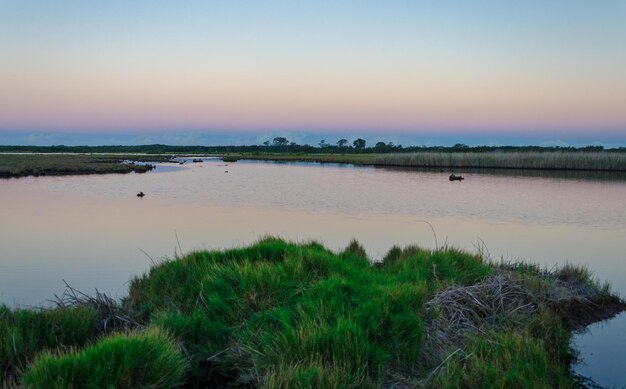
283, 315
600, 161
22, 165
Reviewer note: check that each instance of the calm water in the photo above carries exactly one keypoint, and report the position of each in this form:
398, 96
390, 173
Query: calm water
88, 230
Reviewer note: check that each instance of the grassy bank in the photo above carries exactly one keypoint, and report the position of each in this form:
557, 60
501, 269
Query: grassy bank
283, 315
549, 160
21, 165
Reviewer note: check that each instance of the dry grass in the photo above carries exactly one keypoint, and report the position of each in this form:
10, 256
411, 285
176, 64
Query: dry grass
516, 296
459, 313
553, 160
463, 310
570, 291
600, 161
111, 316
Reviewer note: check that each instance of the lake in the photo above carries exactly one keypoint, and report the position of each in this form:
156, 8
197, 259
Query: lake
94, 232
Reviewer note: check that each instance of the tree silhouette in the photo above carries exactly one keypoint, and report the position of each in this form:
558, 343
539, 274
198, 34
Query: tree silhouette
359, 144
280, 141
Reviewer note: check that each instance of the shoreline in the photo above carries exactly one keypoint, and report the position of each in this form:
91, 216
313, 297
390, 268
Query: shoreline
16, 165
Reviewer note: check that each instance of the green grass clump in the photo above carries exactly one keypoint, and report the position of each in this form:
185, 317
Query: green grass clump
148, 360
505, 360
24, 333
284, 315
439, 268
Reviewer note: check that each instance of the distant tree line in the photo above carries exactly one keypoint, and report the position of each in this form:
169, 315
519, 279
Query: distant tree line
283, 145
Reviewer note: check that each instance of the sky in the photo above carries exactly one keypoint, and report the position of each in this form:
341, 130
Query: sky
482, 72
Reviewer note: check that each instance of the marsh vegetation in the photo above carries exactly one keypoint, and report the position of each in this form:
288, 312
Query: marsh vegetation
278, 315
528, 160
595, 161
21, 165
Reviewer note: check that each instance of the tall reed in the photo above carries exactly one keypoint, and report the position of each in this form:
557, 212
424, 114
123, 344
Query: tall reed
553, 160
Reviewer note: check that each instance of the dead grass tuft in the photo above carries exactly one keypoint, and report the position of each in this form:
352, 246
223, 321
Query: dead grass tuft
461, 311
112, 317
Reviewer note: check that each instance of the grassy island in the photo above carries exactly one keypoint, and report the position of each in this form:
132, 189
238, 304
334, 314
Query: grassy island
283, 315
22, 165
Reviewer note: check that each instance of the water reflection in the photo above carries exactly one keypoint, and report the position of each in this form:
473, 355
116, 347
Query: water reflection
88, 229
578, 175
600, 356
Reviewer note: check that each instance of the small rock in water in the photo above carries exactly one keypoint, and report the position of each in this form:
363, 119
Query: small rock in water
140, 194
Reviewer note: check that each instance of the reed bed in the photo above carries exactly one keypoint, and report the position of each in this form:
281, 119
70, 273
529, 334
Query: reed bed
552, 160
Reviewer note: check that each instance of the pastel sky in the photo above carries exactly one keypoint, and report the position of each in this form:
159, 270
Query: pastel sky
490, 68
